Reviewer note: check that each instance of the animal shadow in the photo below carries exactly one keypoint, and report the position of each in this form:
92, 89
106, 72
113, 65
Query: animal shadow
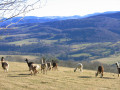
108, 78
20, 75
24, 74
44, 82
84, 76
20, 71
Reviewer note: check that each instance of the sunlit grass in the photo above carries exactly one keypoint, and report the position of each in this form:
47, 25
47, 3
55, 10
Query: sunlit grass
82, 54
76, 47
48, 41
30, 57
25, 41
19, 78
109, 60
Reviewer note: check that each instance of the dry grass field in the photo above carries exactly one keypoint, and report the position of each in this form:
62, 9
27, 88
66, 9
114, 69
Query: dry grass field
19, 78
21, 57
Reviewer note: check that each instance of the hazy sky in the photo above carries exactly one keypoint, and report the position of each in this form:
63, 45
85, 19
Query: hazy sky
75, 7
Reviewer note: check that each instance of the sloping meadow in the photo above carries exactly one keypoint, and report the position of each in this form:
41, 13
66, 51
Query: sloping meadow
19, 78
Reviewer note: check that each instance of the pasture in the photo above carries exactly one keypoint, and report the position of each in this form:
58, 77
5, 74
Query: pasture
19, 58
19, 78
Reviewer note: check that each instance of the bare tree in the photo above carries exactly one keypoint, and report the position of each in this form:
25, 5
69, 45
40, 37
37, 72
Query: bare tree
13, 8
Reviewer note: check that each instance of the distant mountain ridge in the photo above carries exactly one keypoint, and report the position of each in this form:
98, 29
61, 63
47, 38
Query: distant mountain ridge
35, 19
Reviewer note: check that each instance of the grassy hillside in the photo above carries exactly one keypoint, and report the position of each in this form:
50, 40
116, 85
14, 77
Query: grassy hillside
19, 78
109, 60
19, 58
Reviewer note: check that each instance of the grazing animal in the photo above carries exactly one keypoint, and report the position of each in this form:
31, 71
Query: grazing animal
79, 66
118, 68
54, 65
49, 66
29, 63
100, 71
43, 66
5, 65
34, 69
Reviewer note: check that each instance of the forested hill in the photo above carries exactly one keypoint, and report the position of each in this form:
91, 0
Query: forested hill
99, 28
91, 37
104, 27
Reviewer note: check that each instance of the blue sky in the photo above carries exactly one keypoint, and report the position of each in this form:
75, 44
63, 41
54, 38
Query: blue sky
75, 7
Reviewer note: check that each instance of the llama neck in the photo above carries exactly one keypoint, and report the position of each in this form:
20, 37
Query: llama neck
75, 69
2, 60
27, 61
117, 65
43, 61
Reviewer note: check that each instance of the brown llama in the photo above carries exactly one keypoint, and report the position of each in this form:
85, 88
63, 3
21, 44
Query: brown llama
34, 69
118, 68
100, 71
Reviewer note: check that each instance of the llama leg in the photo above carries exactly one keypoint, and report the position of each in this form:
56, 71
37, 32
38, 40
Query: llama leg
81, 70
101, 75
29, 69
57, 68
46, 71
75, 69
35, 72
6, 70
41, 70
52, 68
31, 73
96, 74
